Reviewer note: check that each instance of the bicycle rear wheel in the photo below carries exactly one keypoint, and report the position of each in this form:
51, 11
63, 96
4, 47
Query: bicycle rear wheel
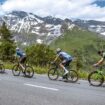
29, 72
53, 74
2, 68
95, 78
16, 70
72, 76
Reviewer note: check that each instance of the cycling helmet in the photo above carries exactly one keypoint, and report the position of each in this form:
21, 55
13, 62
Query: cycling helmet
58, 50
17, 48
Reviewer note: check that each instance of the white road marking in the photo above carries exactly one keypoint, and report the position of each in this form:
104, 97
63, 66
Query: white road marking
37, 86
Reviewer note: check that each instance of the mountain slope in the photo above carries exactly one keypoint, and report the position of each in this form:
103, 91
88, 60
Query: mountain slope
91, 25
77, 39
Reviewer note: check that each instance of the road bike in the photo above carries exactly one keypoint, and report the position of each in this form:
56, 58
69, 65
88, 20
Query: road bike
96, 77
2, 68
54, 72
27, 70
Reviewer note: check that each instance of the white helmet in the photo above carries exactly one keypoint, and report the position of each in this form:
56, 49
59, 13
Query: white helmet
58, 50
17, 48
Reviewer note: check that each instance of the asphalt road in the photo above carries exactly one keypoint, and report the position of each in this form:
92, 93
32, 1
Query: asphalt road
39, 90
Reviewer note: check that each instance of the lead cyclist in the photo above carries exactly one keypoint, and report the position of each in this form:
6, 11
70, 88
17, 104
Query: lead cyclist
65, 58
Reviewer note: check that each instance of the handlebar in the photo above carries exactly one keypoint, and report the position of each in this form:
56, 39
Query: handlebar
54, 64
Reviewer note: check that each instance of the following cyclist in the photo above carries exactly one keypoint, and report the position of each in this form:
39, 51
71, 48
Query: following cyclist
102, 54
65, 60
21, 55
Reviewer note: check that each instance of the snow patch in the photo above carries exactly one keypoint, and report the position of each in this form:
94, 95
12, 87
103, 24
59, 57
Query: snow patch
24, 43
71, 26
39, 41
103, 33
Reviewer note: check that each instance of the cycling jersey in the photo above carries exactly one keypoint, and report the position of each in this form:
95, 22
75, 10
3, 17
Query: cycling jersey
64, 56
20, 53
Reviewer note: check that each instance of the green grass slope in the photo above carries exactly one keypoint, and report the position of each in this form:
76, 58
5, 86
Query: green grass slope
78, 39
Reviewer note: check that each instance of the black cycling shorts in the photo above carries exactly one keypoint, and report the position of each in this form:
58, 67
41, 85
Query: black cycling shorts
23, 59
66, 62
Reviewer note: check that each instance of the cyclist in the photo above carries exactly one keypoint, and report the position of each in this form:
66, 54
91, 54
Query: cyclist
65, 60
102, 54
21, 55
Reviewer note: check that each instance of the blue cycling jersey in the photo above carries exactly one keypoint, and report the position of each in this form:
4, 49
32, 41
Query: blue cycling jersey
65, 56
20, 53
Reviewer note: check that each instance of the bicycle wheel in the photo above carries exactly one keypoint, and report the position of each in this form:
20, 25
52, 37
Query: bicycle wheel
16, 70
2, 68
95, 78
72, 76
53, 74
29, 72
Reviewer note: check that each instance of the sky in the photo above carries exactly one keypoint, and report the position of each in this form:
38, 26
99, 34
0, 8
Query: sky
72, 9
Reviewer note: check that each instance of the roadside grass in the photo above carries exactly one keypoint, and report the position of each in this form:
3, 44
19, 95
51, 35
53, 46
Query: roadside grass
83, 74
40, 70
7, 65
44, 70
37, 69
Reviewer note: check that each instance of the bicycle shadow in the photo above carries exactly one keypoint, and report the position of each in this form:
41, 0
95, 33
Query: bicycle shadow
3, 72
103, 85
22, 75
68, 81
99, 86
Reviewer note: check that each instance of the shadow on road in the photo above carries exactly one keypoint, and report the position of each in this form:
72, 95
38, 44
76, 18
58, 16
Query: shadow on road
3, 72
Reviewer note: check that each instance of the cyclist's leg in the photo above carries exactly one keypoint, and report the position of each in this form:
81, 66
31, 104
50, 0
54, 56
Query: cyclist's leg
66, 64
22, 61
62, 65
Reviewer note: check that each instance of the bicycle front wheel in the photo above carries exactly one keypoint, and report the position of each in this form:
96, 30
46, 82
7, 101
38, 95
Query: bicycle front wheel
29, 72
16, 70
95, 78
53, 74
72, 76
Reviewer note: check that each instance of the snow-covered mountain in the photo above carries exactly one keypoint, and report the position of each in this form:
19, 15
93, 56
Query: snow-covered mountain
29, 28
92, 25
40, 29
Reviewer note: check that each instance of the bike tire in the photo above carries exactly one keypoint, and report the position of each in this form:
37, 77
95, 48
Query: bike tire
53, 74
29, 71
72, 76
16, 70
92, 78
2, 68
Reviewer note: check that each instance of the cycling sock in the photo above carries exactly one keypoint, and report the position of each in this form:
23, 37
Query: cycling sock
65, 69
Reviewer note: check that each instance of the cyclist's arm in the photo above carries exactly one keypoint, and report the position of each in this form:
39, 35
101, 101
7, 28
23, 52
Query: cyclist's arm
99, 62
56, 58
17, 57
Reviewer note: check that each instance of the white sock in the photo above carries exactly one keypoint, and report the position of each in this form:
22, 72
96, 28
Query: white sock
65, 69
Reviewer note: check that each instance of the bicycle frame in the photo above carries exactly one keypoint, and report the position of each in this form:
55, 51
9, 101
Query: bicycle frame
54, 65
20, 66
57, 67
